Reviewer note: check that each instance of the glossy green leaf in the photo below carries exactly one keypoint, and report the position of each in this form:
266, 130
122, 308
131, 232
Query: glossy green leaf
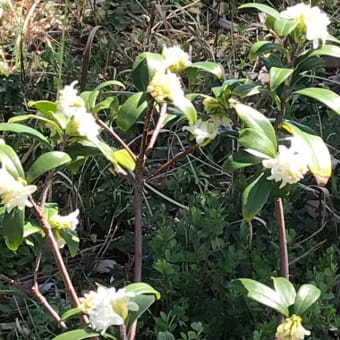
107, 152
207, 66
71, 312
51, 124
321, 164
47, 162
72, 240
26, 130
188, 109
325, 96
10, 160
83, 148
256, 120
277, 76
103, 105
143, 302
283, 27
330, 50
265, 295
142, 288
306, 296
131, 110
247, 90
124, 159
263, 8
257, 140
13, 228
238, 160
261, 47
76, 334
145, 67
30, 229
109, 83
44, 106
285, 289
255, 196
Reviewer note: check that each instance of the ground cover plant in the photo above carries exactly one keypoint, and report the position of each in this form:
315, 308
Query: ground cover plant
180, 171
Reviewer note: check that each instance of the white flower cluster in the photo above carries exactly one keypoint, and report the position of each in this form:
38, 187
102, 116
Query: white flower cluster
58, 222
290, 164
166, 85
106, 307
314, 21
291, 329
81, 123
13, 192
203, 131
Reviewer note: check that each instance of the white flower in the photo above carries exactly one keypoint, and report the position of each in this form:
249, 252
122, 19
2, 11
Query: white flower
175, 58
290, 164
165, 86
106, 307
69, 221
203, 131
69, 102
314, 21
292, 329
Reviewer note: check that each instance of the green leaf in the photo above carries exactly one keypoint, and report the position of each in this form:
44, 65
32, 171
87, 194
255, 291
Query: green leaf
285, 290
261, 47
105, 104
207, 66
30, 229
109, 83
44, 106
325, 96
238, 160
142, 288
71, 312
13, 228
247, 90
11, 161
257, 140
145, 67
131, 109
263, 8
255, 120
321, 163
283, 27
123, 158
265, 295
185, 106
143, 302
255, 196
330, 50
25, 130
277, 76
306, 296
165, 336
72, 240
76, 334
46, 162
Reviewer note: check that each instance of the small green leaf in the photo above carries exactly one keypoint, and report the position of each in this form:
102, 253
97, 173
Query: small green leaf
263, 8
185, 106
47, 162
11, 161
238, 160
261, 47
143, 302
142, 288
207, 66
265, 295
306, 296
145, 67
109, 83
283, 27
329, 50
257, 140
131, 110
277, 76
285, 290
44, 106
256, 120
325, 96
30, 229
123, 158
255, 196
165, 336
71, 312
103, 105
76, 334
26, 130
13, 228
247, 90
72, 240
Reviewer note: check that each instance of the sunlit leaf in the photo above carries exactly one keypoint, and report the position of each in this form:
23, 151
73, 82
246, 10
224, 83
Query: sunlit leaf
329, 50
143, 302
30, 229
278, 75
44, 106
255, 196
285, 289
131, 110
124, 159
265, 295
71, 312
10, 160
283, 27
306, 296
263, 8
207, 66
325, 96
47, 162
142, 288
72, 240
76, 334
261, 47
185, 106
13, 228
